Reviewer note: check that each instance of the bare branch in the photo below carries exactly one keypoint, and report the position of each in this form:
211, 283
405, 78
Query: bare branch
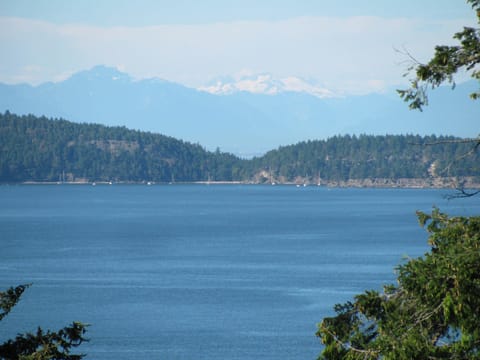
412, 60
462, 193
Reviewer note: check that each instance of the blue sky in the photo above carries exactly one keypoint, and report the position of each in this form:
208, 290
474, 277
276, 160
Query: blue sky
345, 46
155, 12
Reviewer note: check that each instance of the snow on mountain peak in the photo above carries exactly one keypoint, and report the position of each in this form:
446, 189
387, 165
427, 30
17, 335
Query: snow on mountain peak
264, 84
296, 84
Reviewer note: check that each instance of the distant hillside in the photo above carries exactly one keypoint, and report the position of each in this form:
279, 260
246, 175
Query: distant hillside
241, 122
40, 149
393, 157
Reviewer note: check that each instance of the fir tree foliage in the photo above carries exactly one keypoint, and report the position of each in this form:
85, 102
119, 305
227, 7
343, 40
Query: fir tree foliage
39, 345
432, 313
445, 64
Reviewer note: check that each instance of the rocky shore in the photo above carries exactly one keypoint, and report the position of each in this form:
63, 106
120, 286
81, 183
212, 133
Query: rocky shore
407, 183
413, 183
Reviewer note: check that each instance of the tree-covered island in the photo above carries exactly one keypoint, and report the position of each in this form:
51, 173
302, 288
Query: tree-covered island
37, 149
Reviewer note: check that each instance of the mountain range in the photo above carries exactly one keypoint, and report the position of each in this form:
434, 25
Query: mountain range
246, 116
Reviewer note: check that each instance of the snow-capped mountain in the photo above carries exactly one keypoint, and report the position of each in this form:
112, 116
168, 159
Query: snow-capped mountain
264, 84
254, 114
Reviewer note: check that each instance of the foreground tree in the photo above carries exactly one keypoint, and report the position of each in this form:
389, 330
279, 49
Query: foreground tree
433, 312
445, 63
40, 345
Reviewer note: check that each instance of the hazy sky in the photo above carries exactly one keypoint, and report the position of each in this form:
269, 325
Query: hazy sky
347, 46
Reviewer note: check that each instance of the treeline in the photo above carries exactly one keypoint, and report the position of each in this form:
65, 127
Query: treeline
40, 149
368, 156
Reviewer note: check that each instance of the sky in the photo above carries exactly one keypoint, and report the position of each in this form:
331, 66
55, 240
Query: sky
348, 47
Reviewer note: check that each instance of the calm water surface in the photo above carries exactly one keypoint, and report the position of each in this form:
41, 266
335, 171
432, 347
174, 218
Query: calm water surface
204, 272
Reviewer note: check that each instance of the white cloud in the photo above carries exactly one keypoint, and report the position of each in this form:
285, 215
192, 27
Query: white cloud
354, 54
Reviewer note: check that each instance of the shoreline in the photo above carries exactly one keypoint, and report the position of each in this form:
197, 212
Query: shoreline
403, 183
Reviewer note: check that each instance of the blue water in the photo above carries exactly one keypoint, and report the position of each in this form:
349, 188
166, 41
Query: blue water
202, 272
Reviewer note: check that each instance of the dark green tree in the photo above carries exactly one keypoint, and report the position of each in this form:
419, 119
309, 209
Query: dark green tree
445, 64
40, 345
432, 313
442, 68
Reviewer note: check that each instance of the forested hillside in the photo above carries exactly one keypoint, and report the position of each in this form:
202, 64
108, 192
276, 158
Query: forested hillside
44, 150
40, 149
366, 156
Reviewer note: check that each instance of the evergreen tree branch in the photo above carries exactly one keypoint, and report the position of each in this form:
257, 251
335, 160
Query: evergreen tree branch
9, 298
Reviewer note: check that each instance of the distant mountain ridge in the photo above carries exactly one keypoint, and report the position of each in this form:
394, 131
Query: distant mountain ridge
44, 150
241, 122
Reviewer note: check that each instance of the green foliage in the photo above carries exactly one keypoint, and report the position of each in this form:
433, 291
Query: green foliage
40, 345
445, 63
9, 299
434, 310
432, 313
